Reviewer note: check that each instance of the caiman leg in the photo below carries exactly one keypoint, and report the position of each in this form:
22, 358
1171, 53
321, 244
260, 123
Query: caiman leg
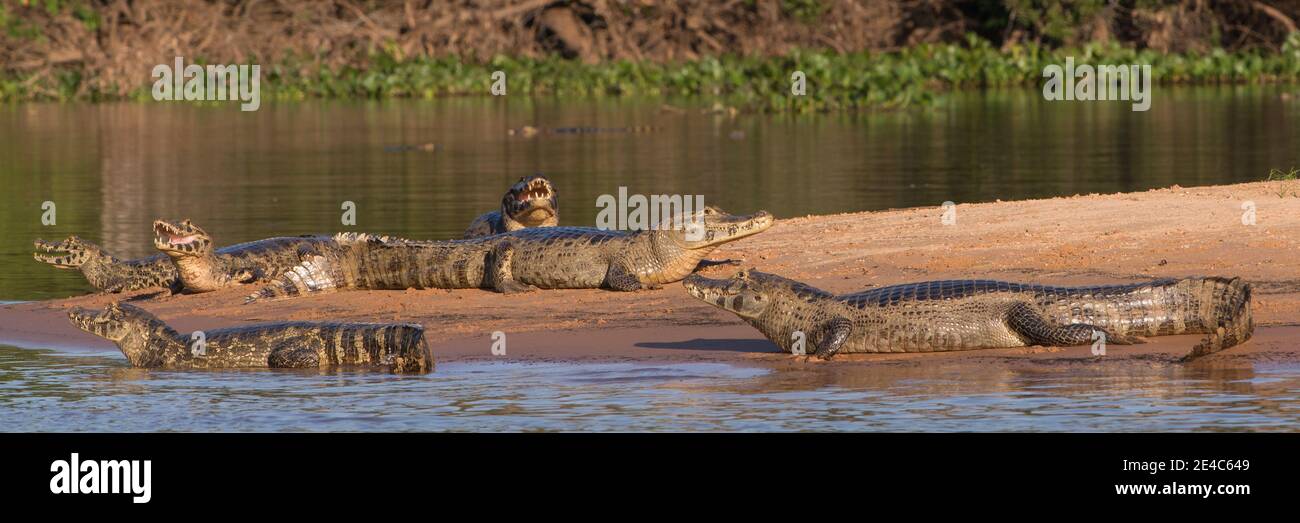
833, 335
1035, 329
293, 356
501, 275
619, 278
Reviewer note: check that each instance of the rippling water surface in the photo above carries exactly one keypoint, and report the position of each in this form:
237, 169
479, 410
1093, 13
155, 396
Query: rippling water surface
83, 391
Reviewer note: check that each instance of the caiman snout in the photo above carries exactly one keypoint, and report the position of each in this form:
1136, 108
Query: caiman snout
737, 294
705, 288
67, 254
89, 320
80, 316
719, 227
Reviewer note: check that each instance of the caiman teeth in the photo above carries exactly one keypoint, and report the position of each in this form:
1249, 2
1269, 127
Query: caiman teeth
537, 193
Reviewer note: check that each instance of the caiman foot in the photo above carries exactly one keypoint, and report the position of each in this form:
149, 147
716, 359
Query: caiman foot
1122, 339
513, 287
289, 356
620, 279
833, 335
244, 276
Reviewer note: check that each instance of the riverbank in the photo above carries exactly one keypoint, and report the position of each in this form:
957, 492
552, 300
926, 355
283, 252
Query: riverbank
877, 55
1090, 239
831, 81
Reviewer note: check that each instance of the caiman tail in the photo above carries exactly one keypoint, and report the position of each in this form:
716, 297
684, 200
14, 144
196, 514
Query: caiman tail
1216, 306
1225, 309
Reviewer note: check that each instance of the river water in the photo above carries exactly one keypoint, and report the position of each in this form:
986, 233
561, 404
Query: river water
110, 169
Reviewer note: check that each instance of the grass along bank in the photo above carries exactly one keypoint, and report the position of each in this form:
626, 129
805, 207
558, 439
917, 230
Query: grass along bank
835, 81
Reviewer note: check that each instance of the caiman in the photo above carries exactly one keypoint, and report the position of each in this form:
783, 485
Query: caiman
530, 202
202, 268
107, 273
529, 131
148, 342
524, 260
981, 314
188, 260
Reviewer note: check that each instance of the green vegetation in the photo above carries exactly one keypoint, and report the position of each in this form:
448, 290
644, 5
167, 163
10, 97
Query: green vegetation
861, 80
835, 81
1287, 181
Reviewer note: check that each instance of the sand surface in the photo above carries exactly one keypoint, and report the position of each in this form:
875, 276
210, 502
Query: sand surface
1088, 239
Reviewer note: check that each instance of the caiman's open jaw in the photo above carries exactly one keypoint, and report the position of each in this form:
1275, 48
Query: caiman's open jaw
531, 201
532, 188
184, 238
67, 254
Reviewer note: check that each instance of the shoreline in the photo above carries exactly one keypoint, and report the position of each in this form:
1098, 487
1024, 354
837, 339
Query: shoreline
1074, 240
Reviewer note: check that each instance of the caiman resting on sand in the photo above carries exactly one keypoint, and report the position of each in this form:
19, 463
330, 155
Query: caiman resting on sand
148, 342
202, 268
982, 314
530, 204
524, 260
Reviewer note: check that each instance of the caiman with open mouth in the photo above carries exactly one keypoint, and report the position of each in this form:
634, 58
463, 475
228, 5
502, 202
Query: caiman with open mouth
104, 271
981, 314
530, 202
149, 342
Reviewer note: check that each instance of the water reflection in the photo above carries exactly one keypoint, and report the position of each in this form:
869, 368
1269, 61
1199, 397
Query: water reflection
61, 391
